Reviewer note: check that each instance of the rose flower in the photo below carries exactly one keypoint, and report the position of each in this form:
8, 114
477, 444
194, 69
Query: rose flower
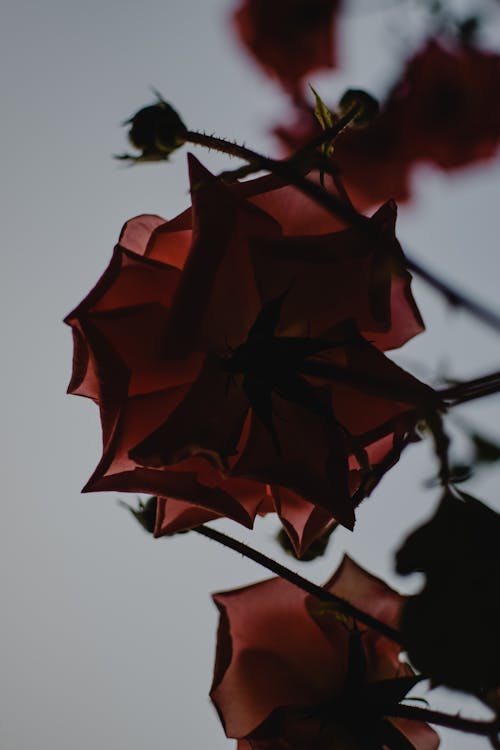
224, 350
291, 673
289, 38
451, 104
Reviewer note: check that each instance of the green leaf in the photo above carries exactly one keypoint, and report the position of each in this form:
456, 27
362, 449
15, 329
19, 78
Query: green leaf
323, 114
325, 119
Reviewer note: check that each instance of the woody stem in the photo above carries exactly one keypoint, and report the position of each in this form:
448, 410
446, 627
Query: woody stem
454, 297
471, 389
472, 726
341, 605
258, 161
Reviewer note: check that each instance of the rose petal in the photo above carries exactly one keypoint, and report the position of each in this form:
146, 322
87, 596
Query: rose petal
208, 421
421, 736
269, 653
178, 515
312, 461
373, 596
303, 522
216, 302
136, 233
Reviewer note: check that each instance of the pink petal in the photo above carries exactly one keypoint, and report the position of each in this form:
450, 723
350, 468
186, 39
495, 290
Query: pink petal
421, 736
371, 595
178, 515
303, 522
290, 207
218, 275
269, 654
136, 233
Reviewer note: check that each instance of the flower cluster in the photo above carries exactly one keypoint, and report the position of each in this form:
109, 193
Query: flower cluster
237, 354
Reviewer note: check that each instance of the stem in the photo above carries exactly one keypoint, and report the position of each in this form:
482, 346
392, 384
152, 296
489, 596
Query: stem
302, 583
257, 161
472, 726
375, 476
226, 147
471, 389
454, 297
285, 169
327, 135
441, 440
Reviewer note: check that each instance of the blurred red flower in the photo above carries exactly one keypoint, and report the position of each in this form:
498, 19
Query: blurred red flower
152, 349
444, 110
451, 108
292, 674
289, 38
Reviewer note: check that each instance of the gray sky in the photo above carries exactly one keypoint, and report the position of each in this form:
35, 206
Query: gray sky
107, 637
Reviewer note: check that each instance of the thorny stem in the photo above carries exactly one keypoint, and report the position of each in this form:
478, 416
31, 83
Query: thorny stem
472, 726
320, 593
286, 169
454, 297
256, 161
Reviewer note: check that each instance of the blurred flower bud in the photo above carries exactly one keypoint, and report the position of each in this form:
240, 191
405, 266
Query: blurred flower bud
364, 105
156, 131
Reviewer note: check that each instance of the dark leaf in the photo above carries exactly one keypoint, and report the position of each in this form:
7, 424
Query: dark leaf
145, 513
486, 450
390, 692
451, 628
367, 107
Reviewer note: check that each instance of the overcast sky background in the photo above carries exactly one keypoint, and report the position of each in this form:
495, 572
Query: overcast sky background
107, 637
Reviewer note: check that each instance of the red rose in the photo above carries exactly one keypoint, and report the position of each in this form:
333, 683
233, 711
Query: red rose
289, 38
292, 674
152, 349
450, 102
